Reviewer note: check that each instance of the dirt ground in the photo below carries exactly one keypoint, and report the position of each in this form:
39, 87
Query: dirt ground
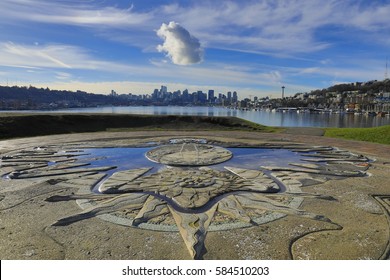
362, 209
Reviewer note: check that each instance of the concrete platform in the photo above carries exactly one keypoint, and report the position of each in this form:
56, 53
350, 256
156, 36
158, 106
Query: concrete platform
361, 209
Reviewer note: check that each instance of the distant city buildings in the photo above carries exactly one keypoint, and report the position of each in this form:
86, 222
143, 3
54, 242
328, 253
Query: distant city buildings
164, 97
25, 98
371, 96
358, 97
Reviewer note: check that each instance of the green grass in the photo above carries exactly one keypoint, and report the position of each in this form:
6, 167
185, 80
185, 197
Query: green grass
379, 134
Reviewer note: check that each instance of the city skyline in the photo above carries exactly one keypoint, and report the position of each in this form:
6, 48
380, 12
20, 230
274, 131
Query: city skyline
196, 97
255, 47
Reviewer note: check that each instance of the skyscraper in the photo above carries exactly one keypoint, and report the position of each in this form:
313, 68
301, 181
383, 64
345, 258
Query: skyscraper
229, 96
155, 94
186, 95
235, 97
163, 92
211, 96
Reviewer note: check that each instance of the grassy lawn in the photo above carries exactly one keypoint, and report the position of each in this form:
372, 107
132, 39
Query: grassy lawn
379, 134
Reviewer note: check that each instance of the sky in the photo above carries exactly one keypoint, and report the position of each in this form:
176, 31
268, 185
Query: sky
253, 47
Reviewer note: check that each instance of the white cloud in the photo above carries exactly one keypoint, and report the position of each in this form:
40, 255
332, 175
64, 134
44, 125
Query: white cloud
273, 27
181, 47
40, 56
63, 76
79, 13
373, 16
257, 26
292, 27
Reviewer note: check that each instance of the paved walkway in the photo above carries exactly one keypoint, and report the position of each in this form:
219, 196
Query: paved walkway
313, 131
309, 136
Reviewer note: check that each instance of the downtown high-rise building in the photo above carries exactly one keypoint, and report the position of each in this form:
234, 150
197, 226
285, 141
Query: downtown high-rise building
235, 97
229, 96
211, 96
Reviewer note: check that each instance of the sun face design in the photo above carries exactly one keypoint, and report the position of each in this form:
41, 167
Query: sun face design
190, 196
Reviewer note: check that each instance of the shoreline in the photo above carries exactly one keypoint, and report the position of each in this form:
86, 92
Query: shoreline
15, 125
30, 125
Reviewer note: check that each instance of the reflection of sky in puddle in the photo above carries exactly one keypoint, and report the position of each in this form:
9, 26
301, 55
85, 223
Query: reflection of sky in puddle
132, 158
253, 158
122, 158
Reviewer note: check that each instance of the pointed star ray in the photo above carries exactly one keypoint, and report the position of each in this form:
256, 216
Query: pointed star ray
152, 208
193, 229
258, 201
232, 207
127, 201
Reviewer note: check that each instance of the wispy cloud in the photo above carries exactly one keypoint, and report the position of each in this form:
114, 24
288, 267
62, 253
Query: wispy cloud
264, 26
63, 76
371, 16
67, 57
288, 26
33, 56
80, 13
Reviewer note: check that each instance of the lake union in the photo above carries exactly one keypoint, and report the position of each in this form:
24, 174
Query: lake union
287, 119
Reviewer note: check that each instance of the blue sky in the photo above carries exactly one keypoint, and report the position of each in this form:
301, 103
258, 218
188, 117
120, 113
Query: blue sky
252, 47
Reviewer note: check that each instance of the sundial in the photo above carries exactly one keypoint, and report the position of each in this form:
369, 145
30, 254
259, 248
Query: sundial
189, 154
187, 192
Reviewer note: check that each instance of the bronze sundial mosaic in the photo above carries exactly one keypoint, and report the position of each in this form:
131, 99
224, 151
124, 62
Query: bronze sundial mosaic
187, 185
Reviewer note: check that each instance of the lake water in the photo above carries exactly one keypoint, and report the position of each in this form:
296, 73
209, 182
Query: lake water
289, 119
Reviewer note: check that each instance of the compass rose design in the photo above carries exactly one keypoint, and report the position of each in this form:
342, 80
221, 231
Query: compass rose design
190, 196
